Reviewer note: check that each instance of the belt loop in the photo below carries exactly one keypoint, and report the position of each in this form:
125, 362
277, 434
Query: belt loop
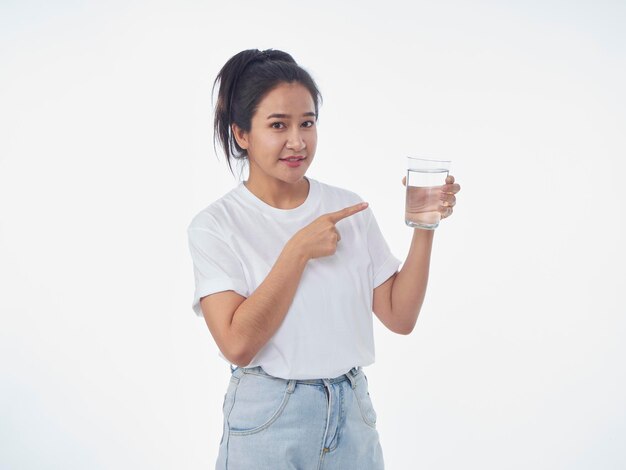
351, 374
291, 386
232, 369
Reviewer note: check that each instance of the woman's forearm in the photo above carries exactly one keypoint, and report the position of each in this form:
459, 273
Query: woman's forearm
409, 287
258, 317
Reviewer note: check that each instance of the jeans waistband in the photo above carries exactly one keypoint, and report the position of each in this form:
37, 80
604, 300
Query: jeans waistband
259, 371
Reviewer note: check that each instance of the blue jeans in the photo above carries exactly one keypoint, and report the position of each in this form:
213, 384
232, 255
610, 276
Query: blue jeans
272, 423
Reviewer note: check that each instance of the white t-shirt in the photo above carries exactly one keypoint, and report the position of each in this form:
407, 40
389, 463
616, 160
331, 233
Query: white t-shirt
234, 243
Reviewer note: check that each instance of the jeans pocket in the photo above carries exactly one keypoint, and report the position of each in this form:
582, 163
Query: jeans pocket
364, 400
259, 401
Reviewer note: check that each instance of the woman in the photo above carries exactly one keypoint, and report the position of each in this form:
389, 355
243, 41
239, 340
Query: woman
288, 271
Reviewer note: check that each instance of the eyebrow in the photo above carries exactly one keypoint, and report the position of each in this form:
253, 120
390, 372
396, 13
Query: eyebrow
287, 116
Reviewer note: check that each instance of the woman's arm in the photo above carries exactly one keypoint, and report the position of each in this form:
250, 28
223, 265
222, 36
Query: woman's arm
257, 318
409, 287
398, 300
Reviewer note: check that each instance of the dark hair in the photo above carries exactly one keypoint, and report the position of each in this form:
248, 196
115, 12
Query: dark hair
244, 81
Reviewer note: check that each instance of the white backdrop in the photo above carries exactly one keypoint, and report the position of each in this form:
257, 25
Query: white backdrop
517, 359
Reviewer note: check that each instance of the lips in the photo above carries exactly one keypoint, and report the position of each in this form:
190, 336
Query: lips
293, 159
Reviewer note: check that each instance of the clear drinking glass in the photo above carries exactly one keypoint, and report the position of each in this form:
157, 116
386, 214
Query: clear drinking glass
424, 181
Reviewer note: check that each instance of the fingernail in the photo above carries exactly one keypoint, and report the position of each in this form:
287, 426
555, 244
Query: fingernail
364, 204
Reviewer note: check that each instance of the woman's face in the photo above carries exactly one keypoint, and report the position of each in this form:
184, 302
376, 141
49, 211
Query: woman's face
284, 125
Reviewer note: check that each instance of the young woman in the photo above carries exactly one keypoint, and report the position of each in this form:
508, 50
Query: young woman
288, 271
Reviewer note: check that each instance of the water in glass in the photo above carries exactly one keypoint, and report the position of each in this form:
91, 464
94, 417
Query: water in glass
423, 191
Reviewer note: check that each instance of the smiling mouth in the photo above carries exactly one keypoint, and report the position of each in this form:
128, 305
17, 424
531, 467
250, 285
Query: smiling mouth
297, 159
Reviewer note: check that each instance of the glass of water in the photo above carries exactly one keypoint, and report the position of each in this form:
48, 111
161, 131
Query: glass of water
424, 181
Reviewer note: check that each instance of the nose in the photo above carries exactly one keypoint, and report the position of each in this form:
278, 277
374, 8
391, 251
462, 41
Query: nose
295, 140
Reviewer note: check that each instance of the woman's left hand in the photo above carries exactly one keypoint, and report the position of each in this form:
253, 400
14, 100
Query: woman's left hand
448, 199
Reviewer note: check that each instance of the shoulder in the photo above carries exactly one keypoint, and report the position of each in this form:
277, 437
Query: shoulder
338, 193
337, 197
214, 217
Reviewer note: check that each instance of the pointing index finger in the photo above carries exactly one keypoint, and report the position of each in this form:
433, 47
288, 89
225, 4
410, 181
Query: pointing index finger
347, 212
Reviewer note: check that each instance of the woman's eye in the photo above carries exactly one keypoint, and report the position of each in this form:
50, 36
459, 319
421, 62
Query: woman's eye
281, 125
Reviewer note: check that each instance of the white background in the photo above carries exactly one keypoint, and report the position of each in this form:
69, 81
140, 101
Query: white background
517, 359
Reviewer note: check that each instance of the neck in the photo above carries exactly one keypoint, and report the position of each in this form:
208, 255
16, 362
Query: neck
278, 193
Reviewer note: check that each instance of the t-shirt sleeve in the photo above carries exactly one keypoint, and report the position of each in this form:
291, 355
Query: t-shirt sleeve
216, 268
384, 263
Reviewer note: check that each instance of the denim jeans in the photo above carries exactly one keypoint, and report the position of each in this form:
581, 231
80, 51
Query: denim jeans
272, 423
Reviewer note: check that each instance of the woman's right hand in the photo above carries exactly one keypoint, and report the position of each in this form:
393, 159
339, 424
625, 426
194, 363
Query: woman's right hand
320, 237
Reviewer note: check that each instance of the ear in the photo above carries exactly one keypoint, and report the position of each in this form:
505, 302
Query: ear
240, 135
